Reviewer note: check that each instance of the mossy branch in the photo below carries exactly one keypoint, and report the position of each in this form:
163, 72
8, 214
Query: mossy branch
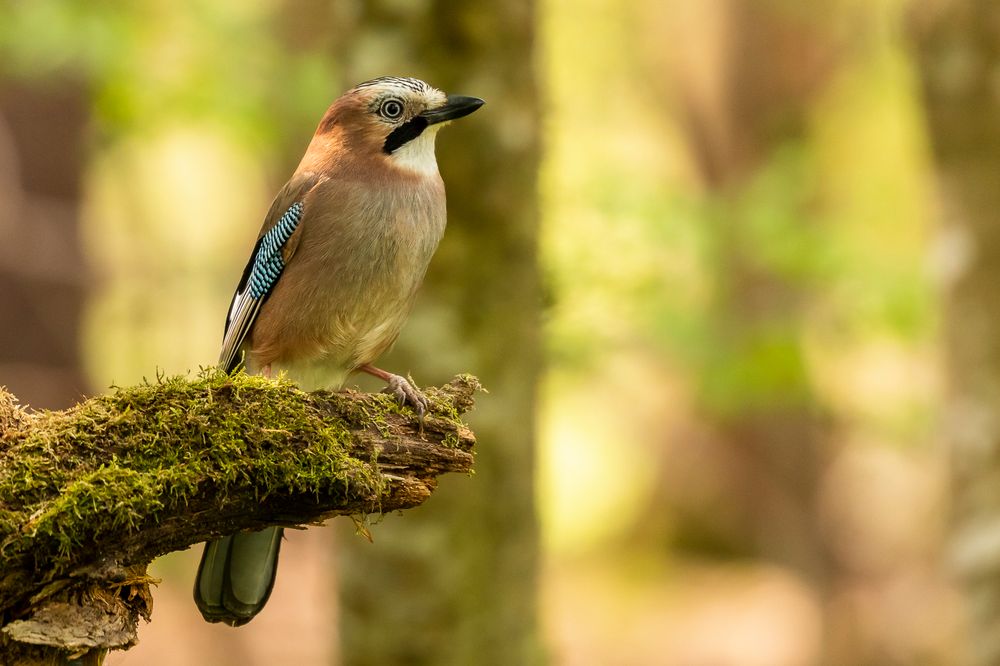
89, 496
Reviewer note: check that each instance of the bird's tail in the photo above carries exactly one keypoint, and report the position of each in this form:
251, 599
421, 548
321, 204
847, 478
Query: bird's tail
236, 575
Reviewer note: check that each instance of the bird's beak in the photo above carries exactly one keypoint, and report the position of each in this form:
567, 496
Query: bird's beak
456, 107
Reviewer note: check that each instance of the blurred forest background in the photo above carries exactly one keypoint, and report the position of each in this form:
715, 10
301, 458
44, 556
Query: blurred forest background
730, 270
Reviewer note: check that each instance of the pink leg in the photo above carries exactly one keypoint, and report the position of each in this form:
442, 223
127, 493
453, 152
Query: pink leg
266, 371
377, 372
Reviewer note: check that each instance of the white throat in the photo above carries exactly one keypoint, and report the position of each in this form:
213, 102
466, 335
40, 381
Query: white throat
418, 155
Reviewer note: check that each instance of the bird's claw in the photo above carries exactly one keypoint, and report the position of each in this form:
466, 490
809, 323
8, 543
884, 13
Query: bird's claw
406, 393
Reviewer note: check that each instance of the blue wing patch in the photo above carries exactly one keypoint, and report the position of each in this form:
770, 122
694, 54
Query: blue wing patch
268, 262
261, 274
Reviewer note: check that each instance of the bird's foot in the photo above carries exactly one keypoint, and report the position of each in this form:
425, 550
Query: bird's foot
406, 393
402, 389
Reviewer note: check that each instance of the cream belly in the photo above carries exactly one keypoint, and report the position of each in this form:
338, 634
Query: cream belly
350, 338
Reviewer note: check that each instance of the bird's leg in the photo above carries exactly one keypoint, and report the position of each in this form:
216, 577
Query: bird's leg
402, 388
266, 371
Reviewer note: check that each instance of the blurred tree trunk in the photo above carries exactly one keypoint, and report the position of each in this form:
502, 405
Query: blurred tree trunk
959, 55
770, 60
779, 60
746, 115
42, 275
455, 583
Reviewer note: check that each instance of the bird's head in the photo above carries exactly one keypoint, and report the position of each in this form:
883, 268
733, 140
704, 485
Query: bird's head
395, 119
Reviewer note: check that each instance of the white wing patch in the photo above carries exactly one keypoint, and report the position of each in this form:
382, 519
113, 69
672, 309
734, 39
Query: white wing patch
241, 318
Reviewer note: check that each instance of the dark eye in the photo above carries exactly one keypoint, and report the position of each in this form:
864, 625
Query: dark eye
391, 109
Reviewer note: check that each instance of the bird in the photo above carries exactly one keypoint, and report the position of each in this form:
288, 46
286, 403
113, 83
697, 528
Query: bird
331, 280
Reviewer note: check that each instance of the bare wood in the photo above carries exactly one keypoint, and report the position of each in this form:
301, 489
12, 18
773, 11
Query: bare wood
73, 555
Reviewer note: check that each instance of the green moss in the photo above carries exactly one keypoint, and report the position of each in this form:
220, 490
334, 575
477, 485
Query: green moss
451, 440
118, 462
440, 404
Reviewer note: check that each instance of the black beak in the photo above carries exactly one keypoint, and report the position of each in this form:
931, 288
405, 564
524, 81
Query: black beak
456, 107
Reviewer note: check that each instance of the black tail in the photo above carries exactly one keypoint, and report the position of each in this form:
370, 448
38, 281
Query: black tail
236, 575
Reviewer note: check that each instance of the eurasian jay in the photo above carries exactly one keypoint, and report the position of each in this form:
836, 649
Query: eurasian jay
332, 278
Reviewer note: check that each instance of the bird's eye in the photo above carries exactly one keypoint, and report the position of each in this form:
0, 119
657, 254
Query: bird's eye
391, 109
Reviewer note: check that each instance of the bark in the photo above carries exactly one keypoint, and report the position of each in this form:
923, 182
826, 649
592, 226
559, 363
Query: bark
89, 496
958, 48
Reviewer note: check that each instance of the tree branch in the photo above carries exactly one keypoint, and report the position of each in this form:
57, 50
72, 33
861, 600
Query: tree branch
89, 496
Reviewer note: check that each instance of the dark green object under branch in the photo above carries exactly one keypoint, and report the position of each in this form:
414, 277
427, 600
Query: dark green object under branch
89, 496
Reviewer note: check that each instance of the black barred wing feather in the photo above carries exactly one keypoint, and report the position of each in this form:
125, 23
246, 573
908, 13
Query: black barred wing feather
267, 262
